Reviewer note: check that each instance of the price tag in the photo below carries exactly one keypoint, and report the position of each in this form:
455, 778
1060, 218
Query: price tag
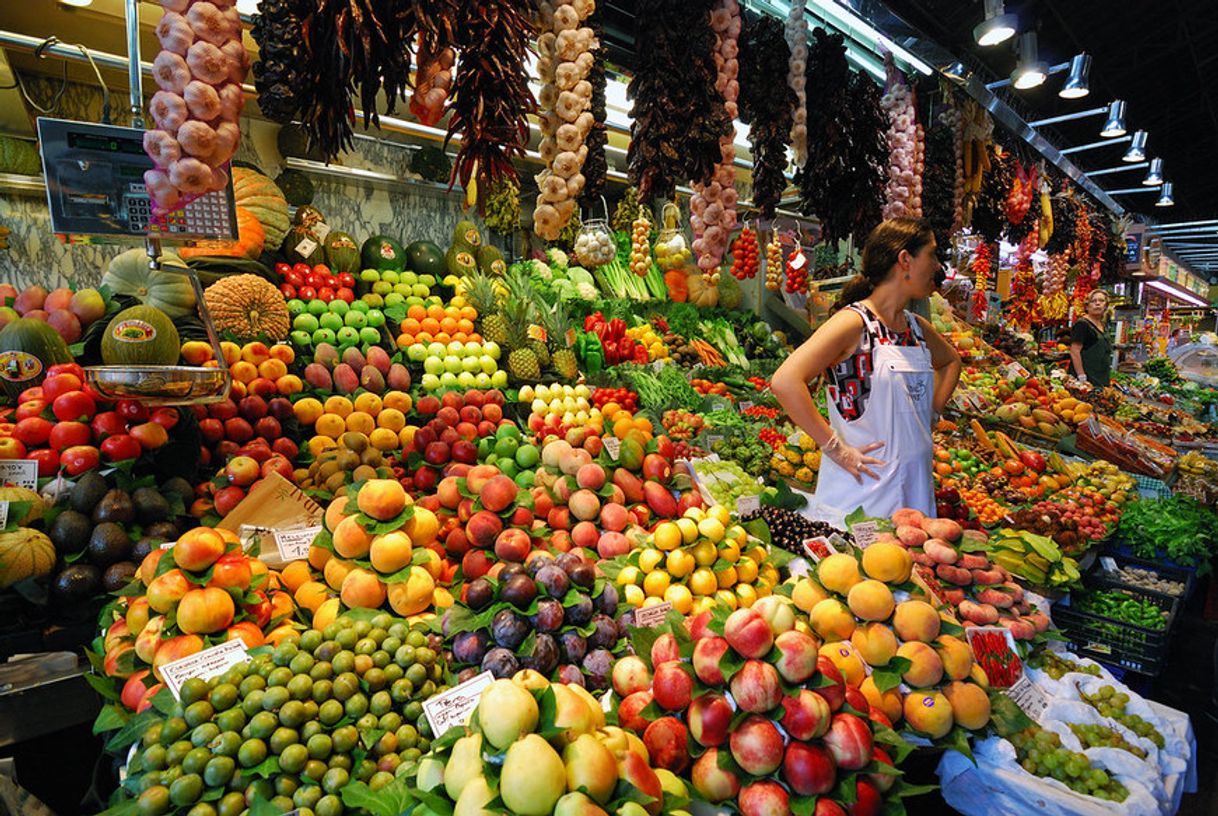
799, 260
205, 665
294, 544
714, 439
249, 532
744, 406
306, 247
649, 617
1014, 370
19, 472
321, 229
1106, 562
1029, 697
168, 545
614, 446
818, 548
865, 533
455, 706
748, 504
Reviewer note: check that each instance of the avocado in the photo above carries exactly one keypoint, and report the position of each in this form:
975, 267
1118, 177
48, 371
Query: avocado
109, 544
180, 486
118, 576
70, 532
76, 584
141, 548
150, 505
116, 506
466, 235
164, 530
88, 492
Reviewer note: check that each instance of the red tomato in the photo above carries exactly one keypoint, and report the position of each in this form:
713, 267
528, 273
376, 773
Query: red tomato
293, 278
322, 269
67, 368
165, 417
345, 293
120, 447
32, 408
325, 293
79, 458
131, 410
306, 292
52, 387
287, 290
33, 430
68, 434
346, 279
74, 405
302, 269
315, 280
29, 394
47, 459
107, 423
11, 448
282, 269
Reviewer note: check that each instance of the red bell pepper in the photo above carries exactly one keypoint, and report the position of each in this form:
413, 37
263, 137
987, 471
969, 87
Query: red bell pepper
640, 355
617, 328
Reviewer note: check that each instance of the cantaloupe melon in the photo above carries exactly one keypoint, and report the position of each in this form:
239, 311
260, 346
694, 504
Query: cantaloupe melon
140, 336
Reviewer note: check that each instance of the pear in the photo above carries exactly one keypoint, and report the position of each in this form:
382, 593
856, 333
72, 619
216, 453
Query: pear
591, 765
533, 777
464, 764
577, 804
506, 712
474, 798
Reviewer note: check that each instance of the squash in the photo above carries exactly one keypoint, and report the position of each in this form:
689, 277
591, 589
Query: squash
251, 240
25, 496
701, 292
248, 307
678, 289
264, 200
140, 336
342, 255
24, 553
28, 347
171, 292
299, 239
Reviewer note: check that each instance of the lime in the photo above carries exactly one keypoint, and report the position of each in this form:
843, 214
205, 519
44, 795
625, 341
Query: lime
253, 752
186, 790
192, 690
198, 713
318, 307
218, 771
154, 801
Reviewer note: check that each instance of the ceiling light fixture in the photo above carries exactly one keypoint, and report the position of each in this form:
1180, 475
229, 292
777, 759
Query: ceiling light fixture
1154, 176
1136, 151
1115, 126
1030, 71
1121, 169
76, 3
1165, 199
997, 27
1078, 82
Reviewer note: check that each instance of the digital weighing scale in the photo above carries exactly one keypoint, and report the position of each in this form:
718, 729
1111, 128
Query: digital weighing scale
95, 189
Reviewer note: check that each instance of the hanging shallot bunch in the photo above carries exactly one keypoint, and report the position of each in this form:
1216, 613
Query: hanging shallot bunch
565, 46
713, 205
435, 58
199, 71
765, 106
903, 191
796, 33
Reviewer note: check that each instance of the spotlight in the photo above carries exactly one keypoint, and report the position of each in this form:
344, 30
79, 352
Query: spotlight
1136, 151
1030, 71
1077, 84
76, 3
1115, 126
997, 27
1154, 176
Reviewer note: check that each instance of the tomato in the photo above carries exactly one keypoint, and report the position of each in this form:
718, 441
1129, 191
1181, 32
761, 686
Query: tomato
322, 269
79, 458
11, 448
293, 278
315, 280
52, 387
282, 269
345, 293
107, 423
302, 269
325, 293
306, 292
74, 405
166, 417
287, 290
66, 368
33, 430
29, 394
32, 408
131, 410
346, 279
47, 459
121, 446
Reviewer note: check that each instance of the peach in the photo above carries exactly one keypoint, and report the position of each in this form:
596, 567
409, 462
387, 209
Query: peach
875, 643
916, 620
148, 566
667, 744
585, 534
778, 612
110, 664
764, 798
629, 711
757, 746
584, 505
553, 452
926, 667
714, 784
630, 674
336, 511
591, 476
956, 656
838, 572
137, 615
908, 516
756, 687
574, 459
513, 544
808, 769
167, 589
806, 715
382, 499
883, 781
665, 649
198, 549
351, 540
708, 651
611, 544
449, 493
842, 654
590, 766
149, 638
871, 600
136, 689
175, 648
849, 741
478, 477
335, 572
798, 654
888, 702
710, 718
361, 589
390, 552
673, 686
748, 633
835, 690
831, 620
910, 535
946, 529
248, 632
614, 517
204, 611
887, 562
414, 595
929, 712
498, 493
422, 527
807, 594
483, 528
970, 704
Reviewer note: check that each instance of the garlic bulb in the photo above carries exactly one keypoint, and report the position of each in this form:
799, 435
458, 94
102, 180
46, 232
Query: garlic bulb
797, 39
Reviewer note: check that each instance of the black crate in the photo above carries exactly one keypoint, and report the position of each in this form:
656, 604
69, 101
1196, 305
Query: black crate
1169, 572
1114, 642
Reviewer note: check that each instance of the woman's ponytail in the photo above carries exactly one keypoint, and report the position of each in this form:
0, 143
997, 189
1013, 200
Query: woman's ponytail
880, 253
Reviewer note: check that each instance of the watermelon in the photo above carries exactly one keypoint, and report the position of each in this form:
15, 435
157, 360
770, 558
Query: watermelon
341, 253
425, 258
28, 347
380, 252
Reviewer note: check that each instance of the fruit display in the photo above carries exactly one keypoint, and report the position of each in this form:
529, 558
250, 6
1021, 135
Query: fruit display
353, 459
1040, 752
457, 364
789, 529
307, 283
317, 324
1112, 704
725, 481
457, 424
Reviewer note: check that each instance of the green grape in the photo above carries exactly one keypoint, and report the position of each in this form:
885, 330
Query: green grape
1056, 761
1112, 705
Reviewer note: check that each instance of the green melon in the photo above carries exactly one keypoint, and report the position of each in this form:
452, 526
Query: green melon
342, 255
425, 258
28, 347
140, 336
380, 252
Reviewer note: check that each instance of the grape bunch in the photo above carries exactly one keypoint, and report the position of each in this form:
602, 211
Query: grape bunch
1041, 753
1057, 666
1094, 735
789, 529
1111, 703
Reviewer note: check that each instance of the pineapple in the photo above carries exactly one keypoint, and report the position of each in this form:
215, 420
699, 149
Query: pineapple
520, 290
480, 292
522, 359
562, 357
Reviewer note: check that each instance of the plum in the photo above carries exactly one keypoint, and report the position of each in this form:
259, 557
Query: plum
598, 665
501, 663
583, 575
580, 612
545, 655
553, 580
605, 635
606, 602
570, 675
542, 559
471, 647
568, 561
573, 646
549, 617
509, 629
479, 594
519, 590
509, 570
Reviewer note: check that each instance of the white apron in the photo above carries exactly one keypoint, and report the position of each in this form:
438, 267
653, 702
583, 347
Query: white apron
898, 412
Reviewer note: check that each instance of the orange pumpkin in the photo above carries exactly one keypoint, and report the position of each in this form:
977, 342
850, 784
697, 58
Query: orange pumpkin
251, 238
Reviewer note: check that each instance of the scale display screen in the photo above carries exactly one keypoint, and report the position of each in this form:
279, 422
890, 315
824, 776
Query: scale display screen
95, 188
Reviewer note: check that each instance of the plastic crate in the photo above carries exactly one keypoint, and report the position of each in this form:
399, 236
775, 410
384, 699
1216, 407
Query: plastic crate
1170, 572
1117, 643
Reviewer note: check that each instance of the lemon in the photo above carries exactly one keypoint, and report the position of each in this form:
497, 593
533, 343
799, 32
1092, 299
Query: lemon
629, 576
695, 513
680, 597
712, 528
634, 595
746, 595
727, 598
668, 536
726, 577
649, 560
655, 584
688, 528
703, 582
729, 550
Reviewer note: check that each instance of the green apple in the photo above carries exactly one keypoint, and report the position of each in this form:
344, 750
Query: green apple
527, 455
414, 301
491, 349
408, 277
376, 318
347, 336
416, 352
394, 299
297, 306
300, 338
430, 382
370, 276
318, 307
448, 380
508, 466
339, 307
390, 276
525, 479
466, 380
324, 336
382, 288
434, 365
499, 379
370, 335
488, 364
485, 447
473, 349
369, 300
482, 380
471, 364
435, 349
403, 289
356, 320
452, 363
420, 290
332, 321
455, 349
305, 322
427, 280
506, 445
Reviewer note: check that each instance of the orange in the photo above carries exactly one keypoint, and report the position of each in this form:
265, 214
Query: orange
320, 443
339, 405
289, 384
361, 422
307, 410
475, 337
424, 337
272, 369
621, 427
642, 423
405, 340
610, 408
369, 403
465, 325
460, 337
430, 324
435, 312
448, 324
383, 439
469, 312
416, 313
410, 325
331, 425
391, 418
398, 401
452, 311
443, 337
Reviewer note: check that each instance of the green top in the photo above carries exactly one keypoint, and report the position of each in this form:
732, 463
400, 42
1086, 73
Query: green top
1096, 352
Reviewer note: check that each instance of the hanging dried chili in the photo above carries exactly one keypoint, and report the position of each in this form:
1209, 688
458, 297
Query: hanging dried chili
596, 166
766, 106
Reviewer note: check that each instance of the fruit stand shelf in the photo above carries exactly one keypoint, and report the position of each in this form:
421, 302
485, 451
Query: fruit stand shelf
773, 304
22, 185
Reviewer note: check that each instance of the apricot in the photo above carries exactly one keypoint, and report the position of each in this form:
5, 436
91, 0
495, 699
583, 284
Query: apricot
327, 613
875, 643
847, 661
916, 620
294, 575
318, 556
928, 712
871, 600
956, 656
970, 704
807, 594
382, 499
311, 594
336, 571
926, 667
336, 511
362, 589
390, 552
888, 702
888, 562
414, 595
422, 527
838, 573
350, 539
831, 620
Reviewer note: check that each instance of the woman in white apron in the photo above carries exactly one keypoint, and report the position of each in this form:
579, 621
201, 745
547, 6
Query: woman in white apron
888, 374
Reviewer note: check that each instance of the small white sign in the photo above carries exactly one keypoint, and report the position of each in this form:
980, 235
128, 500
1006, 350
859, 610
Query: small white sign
306, 247
19, 472
3, 514
1029, 697
168, 545
744, 406
1014, 370
294, 544
455, 706
865, 533
657, 365
322, 230
748, 504
799, 260
818, 548
649, 617
1108, 564
613, 445
205, 665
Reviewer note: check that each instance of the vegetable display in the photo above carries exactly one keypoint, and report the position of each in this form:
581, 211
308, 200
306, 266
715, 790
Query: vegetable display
436, 56
939, 178
1120, 606
1180, 528
766, 106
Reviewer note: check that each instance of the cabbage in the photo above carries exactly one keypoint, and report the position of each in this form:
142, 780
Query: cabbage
580, 275
564, 289
587, 291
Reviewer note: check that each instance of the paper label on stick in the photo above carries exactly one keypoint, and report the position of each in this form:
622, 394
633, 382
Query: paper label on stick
1030, 698
321, 229
748, 504
455, 706
205, 665
1108, 564
294, 544
3, 514
19, 472
649, 617
865, 533
613, 446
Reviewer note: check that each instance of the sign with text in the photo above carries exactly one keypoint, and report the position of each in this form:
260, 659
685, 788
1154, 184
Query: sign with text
455, 706
205, 665
865, 533
294, 544
613, 446
649, 617
19, 472
1031, 699
748, 504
